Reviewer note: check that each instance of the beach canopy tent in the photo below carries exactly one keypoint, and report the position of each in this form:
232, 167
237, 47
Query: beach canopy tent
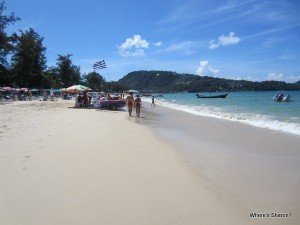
133, 91
77, 89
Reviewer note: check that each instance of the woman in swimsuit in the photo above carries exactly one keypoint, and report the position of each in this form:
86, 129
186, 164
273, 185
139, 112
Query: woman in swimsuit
129, 103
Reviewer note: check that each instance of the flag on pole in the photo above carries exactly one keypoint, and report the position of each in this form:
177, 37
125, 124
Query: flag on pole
99, 65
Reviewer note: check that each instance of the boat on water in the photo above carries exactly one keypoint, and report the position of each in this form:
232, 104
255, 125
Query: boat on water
282, 97
212, 96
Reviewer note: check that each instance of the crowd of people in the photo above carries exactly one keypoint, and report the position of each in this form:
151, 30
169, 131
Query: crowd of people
83, 99
24, 94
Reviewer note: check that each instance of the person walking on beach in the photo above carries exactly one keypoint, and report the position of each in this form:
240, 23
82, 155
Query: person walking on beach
85, 99
51, 94
29, 95
153, 103
129, 103
138, 104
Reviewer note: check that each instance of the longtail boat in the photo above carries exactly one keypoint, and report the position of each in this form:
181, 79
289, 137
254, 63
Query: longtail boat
212, 96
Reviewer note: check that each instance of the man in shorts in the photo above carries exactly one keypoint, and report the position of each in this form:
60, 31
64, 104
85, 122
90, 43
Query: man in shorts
138, 104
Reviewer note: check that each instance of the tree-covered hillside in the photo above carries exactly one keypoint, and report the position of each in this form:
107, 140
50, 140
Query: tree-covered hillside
166, 81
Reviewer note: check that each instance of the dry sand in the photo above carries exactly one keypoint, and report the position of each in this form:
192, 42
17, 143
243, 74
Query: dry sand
60, 165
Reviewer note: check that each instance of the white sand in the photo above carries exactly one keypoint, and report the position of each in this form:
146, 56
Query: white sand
60, 165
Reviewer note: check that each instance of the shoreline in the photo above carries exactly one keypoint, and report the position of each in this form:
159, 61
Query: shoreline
259, 121
261, 164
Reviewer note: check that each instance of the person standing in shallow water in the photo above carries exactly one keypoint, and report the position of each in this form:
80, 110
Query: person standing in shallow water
153, 103
138, 104
129, 103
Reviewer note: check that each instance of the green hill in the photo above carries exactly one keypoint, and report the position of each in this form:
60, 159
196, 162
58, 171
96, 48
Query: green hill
167, 81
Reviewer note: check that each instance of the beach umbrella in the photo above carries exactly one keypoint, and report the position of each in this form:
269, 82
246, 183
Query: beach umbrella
77, 88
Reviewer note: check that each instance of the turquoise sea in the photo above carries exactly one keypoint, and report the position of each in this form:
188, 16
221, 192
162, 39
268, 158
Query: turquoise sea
254, 108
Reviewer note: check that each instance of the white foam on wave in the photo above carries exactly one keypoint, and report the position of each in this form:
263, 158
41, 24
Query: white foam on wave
253, 119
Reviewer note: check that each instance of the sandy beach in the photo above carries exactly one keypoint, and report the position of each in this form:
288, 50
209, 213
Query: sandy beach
61, 165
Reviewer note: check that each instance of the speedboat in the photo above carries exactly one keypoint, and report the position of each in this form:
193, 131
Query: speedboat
111, 103
282, 97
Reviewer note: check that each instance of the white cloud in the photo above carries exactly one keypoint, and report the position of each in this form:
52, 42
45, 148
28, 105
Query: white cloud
133, 46
283, 77
231, 39
214, 71
136, 42
213, 45
223, 40
204, 69
275, 76
201, 67
157, 44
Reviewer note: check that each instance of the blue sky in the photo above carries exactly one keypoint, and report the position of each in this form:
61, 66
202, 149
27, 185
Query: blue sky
249, 39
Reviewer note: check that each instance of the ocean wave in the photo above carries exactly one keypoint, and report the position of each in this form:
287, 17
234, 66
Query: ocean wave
253, 119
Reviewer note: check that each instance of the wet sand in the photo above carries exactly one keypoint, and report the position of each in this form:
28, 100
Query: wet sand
250, 169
